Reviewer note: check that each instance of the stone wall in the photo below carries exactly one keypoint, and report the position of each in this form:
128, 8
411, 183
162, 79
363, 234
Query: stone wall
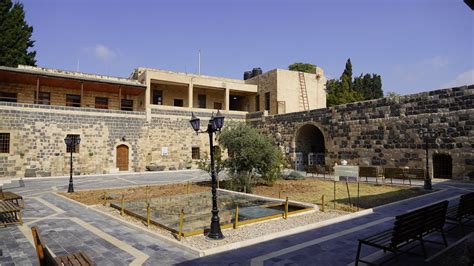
384, 132
37, 135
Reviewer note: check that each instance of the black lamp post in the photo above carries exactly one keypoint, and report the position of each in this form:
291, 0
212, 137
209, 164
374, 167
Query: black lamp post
215, 124
70, 144
427, 134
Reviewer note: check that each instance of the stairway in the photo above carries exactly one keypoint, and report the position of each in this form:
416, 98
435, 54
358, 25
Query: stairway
303, 92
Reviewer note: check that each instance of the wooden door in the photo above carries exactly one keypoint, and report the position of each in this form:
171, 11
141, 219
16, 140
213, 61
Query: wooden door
122, 158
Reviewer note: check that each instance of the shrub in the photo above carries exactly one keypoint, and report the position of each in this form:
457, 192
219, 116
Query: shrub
251, 154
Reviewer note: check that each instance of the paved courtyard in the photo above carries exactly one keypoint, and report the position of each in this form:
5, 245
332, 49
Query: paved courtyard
68, 227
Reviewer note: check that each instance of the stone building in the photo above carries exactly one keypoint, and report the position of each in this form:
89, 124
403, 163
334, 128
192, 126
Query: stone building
131, 124
127, 124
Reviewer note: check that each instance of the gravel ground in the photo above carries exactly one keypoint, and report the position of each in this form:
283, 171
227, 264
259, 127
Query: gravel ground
235, 235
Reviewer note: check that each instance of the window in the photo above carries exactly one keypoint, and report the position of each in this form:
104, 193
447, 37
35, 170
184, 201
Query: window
75, 147
158, 97
218, 106
101, 103
195, 153
267, 101
178, 102
257, 103
73, 100
127, 105
201, 101
43, 98
4, 142
8, 97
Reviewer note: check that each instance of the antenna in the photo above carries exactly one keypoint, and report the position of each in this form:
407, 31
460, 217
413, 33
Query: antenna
199, 62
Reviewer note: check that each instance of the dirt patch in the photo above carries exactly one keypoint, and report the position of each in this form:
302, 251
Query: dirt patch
93, 197
311, 190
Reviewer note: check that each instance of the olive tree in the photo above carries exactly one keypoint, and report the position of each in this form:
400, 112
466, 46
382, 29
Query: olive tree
251, 155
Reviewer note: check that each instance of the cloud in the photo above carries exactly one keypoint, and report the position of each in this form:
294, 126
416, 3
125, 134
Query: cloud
465, 78
102, 53
435, 62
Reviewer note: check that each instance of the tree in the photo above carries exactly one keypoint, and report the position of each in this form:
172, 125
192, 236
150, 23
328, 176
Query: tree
250, 154
16, 36
303, 67
369, 86
392, 94
341, 91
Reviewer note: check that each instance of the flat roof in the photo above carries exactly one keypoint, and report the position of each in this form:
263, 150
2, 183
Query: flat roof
56, 73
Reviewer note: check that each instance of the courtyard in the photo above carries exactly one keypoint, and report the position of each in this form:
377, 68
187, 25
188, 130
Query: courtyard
69, 226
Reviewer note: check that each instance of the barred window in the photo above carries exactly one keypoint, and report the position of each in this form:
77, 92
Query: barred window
73, 100
8, 97
101, 103
178, 102
43, 98
195, 153
75, 146
127, 105
4, 142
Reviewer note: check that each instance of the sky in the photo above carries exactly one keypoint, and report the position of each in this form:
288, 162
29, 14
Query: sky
415, 45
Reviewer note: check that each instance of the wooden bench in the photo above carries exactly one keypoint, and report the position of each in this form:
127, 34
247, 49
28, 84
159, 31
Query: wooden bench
408, 227
369, 171
462, 212
12, 197
317, 169
403, 173
45, 257
10, 213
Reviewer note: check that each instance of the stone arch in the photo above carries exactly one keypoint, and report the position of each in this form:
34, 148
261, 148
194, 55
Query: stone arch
120, 148
442, 165
309, 146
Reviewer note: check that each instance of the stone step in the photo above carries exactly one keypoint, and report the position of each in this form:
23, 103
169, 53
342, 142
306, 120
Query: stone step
4, 181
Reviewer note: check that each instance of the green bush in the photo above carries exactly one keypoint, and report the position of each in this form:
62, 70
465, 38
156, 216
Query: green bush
251, 154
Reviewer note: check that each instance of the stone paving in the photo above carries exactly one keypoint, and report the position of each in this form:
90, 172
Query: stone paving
68, 227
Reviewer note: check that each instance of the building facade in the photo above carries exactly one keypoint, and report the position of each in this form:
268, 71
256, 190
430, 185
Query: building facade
127, 124
142, 122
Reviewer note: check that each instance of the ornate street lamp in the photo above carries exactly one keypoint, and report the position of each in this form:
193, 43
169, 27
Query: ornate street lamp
215, 124
70, 144
427, 134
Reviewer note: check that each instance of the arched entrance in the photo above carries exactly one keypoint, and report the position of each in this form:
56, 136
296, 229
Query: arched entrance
309, 147
442, 166
122, 157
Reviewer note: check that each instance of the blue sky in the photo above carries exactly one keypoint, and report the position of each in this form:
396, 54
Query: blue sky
415, 45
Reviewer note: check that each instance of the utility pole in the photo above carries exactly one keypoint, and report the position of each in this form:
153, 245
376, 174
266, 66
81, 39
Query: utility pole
199, 62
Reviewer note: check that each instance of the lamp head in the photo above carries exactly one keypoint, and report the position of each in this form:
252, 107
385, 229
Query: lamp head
78, 140
195, 122
68, 141
218, 120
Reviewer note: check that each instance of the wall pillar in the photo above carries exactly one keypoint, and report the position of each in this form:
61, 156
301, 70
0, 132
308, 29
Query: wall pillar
190, 94
227, 99
148, 97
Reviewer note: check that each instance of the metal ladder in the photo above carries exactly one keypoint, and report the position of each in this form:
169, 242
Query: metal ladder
303, 92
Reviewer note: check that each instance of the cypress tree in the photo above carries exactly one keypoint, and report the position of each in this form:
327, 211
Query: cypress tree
16, 36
